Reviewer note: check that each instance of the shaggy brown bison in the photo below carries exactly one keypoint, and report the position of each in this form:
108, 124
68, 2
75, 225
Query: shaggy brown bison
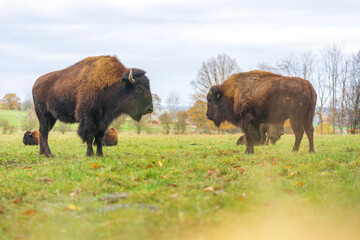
111, 137
251, 98
31, 138
268, 132
92, 92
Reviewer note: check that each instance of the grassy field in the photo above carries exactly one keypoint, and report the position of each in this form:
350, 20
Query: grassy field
180, 187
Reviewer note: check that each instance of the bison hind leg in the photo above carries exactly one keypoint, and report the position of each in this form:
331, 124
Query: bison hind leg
298, 129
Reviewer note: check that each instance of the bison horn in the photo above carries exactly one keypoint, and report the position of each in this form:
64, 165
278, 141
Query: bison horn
131, 78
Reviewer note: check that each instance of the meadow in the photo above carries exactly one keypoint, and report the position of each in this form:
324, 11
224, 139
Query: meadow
180, 187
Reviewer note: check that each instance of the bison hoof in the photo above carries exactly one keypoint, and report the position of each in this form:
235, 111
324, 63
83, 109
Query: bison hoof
100, 154
49, 155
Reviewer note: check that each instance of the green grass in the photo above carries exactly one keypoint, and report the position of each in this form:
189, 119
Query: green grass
15, 118
206, 188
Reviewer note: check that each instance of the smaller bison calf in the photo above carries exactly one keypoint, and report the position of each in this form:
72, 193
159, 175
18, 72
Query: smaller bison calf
111, 137
31, 138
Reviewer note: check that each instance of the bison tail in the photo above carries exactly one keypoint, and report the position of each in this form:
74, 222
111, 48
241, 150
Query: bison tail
312, 103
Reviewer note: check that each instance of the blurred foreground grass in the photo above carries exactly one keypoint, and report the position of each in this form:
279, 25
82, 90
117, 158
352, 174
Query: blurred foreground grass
180, 187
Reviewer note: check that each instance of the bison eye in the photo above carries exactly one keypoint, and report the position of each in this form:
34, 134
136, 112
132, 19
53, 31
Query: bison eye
138, 90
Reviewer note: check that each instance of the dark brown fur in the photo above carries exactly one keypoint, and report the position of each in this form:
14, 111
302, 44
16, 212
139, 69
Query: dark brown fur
31, 138
268, 132
92, 92
111, 137
251, 98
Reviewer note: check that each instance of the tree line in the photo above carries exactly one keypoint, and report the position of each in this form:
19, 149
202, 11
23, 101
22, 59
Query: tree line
334, 74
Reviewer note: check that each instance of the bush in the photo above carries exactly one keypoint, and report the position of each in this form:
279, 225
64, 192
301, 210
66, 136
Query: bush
30, 122
326, 128
7, 128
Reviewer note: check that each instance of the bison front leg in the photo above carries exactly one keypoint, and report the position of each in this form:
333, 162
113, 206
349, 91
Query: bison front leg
99, 142
86, 131
90, 151
252, 134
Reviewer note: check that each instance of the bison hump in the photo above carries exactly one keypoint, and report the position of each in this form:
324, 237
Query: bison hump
100, 72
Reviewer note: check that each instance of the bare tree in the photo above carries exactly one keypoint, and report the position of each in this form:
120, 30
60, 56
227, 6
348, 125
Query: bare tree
173, 102
213, 72
323, 94
332, 58
353, 106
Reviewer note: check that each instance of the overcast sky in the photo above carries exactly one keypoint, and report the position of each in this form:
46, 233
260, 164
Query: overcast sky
169, 39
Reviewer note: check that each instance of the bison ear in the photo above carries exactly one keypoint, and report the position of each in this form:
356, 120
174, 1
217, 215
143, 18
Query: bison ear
217, 91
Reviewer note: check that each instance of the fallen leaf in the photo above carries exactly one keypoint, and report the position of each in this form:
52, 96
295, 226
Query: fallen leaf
218, 190
241, 170
165, 176
175, 196
27, 168
208, 189
73, 207
75, 192
18, 201
159, 164
95, 166
243, 196
213, 172
45, 180
300, 184
291, 174
29, 212
149, 166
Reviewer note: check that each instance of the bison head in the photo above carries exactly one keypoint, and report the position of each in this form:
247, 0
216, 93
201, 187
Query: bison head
219, 107
138, 95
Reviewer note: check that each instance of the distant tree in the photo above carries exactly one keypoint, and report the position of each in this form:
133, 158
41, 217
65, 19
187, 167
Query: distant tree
180, 122
226, 126
165, 120
11, 101
213, 72
116, 123
30, 122
353, 110
197, 117
156, 104
142, 125
28, 104
62, 127
173, 101
327, 129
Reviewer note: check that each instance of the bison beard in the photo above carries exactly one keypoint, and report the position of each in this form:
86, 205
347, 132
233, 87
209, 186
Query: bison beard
93, 92
249, 99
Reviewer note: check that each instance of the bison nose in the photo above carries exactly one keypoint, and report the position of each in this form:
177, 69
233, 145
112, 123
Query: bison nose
149, 110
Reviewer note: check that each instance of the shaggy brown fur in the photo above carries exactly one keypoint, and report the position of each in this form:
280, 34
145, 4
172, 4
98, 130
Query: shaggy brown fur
31, 138
111, 137
92, 92
251, 98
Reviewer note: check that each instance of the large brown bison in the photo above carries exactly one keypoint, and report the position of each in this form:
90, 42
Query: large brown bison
251, 98
92, 92
31, 138
111, 137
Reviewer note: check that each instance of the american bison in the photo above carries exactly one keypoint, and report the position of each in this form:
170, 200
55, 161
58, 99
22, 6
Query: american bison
111, 137
31, 138
268, 132
251, 98
93, 92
